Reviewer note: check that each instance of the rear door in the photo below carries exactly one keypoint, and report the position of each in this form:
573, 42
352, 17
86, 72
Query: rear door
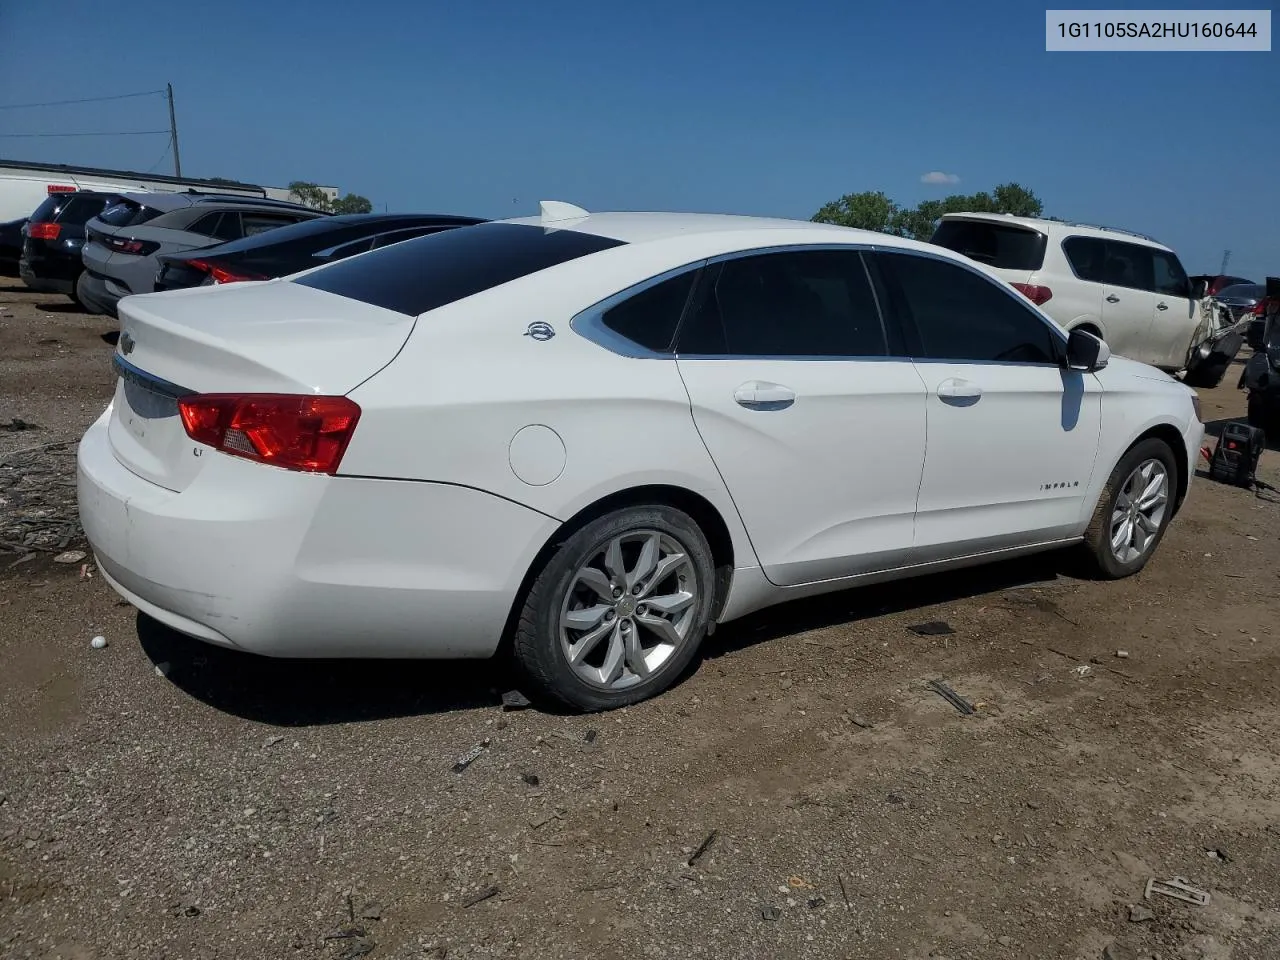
1011, 434
811, 412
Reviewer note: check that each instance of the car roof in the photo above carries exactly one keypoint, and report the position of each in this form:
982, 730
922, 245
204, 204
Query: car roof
644, 227
179, 201
1046, 226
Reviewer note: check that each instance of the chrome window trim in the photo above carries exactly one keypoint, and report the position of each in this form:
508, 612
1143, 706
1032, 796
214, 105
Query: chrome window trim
589, 323
129, 372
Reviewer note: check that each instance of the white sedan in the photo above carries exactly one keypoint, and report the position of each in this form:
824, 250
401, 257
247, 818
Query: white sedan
585, 439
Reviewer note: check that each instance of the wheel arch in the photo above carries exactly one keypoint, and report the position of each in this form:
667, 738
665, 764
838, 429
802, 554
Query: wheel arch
703, 511
1170, 434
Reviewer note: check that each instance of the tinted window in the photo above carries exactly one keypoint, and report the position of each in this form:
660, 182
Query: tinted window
1170, 278
1087, 256
396, 236
428, 272
650, 317
47, 210
1245, 291
995, 244
960, 315
1129, 265
224, 226
127, 213
81, 209
256, 223
814, 303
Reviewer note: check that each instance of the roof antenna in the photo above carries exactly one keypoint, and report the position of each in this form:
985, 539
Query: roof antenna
554, 211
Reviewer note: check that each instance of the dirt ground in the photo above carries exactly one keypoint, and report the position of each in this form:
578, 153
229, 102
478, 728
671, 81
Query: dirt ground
163, 799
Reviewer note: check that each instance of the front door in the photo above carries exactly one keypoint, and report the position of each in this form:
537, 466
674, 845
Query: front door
811, 412
1175, 315
1011, 435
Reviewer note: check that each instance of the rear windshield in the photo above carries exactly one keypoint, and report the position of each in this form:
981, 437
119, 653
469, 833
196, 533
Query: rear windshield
74, 209
995, 244
127, 213
420, 275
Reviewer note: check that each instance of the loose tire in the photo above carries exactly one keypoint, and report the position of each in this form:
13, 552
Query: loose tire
618, 611
1133, 511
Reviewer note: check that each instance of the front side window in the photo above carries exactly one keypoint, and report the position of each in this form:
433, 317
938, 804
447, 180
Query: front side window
809, 303
962, 316
1170, 278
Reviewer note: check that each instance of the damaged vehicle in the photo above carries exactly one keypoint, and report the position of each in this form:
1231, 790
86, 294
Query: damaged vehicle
1126, 288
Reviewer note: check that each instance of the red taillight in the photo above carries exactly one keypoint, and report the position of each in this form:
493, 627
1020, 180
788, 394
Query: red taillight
43, 231
1033, 292
1259, 309
221, 274
285, 430
141, 248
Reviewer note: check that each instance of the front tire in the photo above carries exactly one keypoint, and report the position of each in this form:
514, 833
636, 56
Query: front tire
1133, 511
618, 611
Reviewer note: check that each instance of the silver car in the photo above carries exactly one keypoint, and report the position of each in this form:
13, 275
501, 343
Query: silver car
123, 242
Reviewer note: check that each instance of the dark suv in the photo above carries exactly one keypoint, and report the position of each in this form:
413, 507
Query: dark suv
53, 239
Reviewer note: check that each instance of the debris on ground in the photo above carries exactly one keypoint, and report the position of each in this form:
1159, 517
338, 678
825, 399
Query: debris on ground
953, 698
162, 668
17, 425
1119, 951
273, 739
515, 700
1122, 654
769, 912
1140, 914
934, 628
70, 556
1082, 671
702, 848
38, 512
486, 894
860, 722
371, 911
1176, 888
590, 736
86, 572
530, 778
470, 757
1217, 853
799, 883
98, 643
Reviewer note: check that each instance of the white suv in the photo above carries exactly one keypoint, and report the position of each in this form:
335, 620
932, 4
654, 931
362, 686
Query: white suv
1124, 287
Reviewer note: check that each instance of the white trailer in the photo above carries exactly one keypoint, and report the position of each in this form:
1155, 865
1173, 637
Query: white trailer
24, 186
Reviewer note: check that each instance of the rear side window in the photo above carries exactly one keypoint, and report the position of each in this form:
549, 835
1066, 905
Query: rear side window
651, 316
429, 272
812, 303
1087, 256
995, 244
962, 316
256, 223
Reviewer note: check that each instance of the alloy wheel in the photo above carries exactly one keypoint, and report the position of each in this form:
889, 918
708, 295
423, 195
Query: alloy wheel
1139, 511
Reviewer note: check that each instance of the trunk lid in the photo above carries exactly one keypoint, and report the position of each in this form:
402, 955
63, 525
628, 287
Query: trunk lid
269, 337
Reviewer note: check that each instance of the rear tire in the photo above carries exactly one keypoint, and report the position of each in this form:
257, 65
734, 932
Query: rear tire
74, 292
618, 611
80, 298
1133, 511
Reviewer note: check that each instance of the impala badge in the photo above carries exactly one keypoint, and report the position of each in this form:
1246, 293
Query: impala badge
126, 343
540, 331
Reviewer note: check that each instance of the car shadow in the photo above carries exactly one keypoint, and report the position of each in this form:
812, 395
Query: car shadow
67, 307
111, 337
302, 693
848, 607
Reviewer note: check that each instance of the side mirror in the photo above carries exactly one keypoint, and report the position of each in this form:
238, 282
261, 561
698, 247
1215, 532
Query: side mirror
1086, 352
1198, 289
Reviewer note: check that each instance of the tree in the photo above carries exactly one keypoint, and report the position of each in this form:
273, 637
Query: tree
311, 195
866, 211
875, 211
351, 203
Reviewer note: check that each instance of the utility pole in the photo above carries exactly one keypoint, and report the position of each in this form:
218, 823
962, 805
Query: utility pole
173, 133
1226, 255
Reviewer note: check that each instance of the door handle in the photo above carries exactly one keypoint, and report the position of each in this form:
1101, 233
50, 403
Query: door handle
1112, 298
1162, 306
763, 395
955, 388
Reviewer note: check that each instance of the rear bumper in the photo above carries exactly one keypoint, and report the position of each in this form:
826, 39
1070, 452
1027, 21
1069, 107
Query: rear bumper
38, 276
93, 293
295, 565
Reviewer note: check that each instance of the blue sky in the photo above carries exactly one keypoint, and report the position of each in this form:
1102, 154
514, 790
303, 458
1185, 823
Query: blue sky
743, 107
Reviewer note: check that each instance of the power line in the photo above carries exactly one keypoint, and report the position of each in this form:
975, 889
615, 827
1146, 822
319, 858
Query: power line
104, 133
60, 103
